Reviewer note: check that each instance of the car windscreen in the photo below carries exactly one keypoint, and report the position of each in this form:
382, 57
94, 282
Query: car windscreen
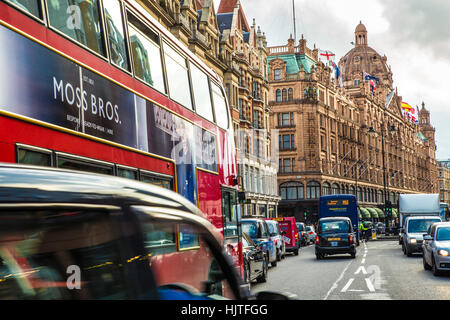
333, 226
443, 234
420, 225
250, 228
300, 227
273, 228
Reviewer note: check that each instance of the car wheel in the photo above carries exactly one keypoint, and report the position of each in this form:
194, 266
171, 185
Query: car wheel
434, 268
426, 266
263, 277
296, 252
353, 255
278, 255
274, 263
403, 248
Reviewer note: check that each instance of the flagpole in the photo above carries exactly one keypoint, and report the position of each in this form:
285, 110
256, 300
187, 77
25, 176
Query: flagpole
295, 29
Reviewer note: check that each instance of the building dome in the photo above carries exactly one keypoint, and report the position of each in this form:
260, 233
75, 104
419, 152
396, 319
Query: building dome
363, 58
360, 28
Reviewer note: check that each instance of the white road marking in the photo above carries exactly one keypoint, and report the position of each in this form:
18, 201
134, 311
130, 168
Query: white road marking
370, 285
347, 285
334, 286
363, 261
361, 269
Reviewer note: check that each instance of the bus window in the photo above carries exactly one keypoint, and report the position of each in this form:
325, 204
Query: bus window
156, 180
220, 107
230, 217
127, 173
146, 54
34, 157
116, 34
84, 165
177, 77
79, 20
32, 7
202, 95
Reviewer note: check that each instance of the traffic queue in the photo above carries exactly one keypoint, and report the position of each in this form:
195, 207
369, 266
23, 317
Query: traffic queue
266, 241
340, 231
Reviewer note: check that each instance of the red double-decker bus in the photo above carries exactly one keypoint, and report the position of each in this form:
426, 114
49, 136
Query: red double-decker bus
101, 86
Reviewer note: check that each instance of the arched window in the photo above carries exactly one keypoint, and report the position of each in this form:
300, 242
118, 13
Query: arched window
359, 196
278, 95
292, 191
290, 94
326, 189
335, 188
380, 196
352, 190
347, 190
284, 95
312, 190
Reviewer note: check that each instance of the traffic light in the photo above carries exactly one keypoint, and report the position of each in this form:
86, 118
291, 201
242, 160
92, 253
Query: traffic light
389, 212
388, 209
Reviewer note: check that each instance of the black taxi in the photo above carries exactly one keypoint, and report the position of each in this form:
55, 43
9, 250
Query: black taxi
74, 235
335, 235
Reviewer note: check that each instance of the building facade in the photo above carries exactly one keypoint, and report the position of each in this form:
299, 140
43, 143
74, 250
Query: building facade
344, 139
444, 180
247, 87
237, 52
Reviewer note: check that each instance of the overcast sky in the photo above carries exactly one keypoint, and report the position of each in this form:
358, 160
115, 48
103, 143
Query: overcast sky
413, 34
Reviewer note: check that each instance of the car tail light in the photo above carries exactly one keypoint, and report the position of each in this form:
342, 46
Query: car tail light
317, 239
296, 236
350, 239
276, 242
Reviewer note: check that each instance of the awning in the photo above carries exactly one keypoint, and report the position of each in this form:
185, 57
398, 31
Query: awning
380, 213
373, 213
394, 213
364, 213
359, 214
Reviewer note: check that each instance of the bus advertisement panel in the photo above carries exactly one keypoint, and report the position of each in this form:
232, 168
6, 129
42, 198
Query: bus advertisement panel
65, 105
340, 205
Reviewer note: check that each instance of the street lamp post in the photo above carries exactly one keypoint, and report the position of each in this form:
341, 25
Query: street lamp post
385, 184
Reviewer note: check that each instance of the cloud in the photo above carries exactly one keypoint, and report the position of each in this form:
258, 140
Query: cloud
422, 22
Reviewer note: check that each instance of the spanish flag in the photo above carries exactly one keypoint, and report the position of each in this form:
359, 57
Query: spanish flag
406, 106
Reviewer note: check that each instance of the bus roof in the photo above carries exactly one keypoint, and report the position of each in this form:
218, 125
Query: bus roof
339, 196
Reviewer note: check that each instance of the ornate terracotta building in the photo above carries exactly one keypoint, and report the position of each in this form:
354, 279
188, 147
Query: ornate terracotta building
237, 51
332, 139
247, 86
444, 180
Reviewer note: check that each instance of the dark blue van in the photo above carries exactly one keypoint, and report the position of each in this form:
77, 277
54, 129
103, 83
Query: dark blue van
340, 205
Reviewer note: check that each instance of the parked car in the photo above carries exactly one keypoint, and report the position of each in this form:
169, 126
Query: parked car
302, 234
414, 229
436, 248
255, 262
258, 231
108, 238
276, 236
310, 230
291, 235
335, 236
